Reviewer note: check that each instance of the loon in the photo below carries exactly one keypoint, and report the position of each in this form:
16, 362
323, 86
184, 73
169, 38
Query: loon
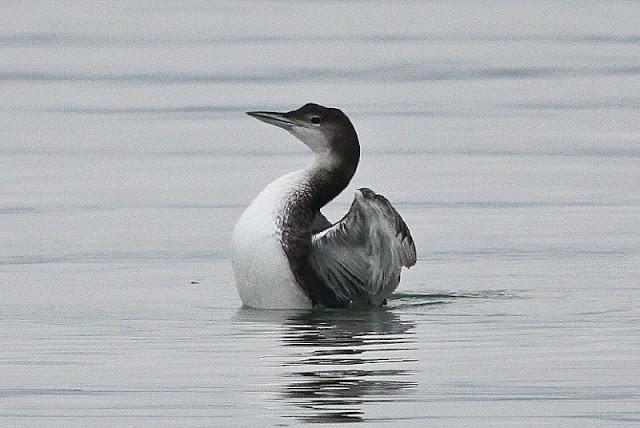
285, 253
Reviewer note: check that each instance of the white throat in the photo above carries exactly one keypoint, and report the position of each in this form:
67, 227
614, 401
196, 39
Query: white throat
313, 138
325, 161
318, 142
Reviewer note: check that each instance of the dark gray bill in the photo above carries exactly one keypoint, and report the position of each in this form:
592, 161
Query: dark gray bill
273, 118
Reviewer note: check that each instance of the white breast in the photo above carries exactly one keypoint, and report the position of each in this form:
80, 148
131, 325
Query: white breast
260, 266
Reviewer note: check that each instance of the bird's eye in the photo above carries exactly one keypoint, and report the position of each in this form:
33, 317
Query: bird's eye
315, 119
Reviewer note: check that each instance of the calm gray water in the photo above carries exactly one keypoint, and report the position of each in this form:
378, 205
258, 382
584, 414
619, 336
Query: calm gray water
506, 134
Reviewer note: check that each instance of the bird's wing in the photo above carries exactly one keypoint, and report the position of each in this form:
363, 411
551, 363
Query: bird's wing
320, 223
360, 257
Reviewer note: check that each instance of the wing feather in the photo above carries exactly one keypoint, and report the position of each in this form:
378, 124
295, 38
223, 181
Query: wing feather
361, 256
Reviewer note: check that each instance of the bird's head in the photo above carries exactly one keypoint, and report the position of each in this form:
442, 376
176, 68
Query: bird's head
324, 130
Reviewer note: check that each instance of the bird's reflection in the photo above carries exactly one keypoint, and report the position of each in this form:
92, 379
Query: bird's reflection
344, 360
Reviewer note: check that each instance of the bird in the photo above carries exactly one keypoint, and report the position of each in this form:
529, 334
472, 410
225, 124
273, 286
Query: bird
286, 254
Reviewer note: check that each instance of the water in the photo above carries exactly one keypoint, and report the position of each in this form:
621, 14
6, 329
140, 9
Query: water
507, 135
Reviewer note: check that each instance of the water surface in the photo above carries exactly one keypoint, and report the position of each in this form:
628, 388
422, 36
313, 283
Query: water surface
507, 135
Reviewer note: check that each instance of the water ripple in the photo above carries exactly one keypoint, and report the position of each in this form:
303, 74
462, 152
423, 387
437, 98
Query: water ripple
54, 39
348, 359
384, 73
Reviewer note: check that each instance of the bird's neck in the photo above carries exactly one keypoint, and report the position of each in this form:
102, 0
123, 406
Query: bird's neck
329, 175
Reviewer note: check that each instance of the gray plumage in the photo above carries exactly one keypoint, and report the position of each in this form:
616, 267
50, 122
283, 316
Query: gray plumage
361, 256
356, 261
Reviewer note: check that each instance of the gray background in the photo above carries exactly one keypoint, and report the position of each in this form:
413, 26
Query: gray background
506, 134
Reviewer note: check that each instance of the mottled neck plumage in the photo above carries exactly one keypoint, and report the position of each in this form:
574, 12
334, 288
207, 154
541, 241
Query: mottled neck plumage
327, 176
331, 172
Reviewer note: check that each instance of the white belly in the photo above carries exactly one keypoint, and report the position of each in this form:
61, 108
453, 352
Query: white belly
260, 266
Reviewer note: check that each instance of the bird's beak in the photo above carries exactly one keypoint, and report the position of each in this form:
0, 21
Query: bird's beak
273, 118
